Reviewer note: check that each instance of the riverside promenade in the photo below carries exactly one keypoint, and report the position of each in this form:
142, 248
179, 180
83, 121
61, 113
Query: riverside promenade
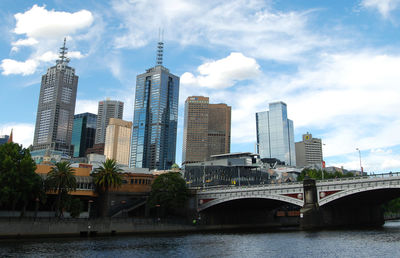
41, 227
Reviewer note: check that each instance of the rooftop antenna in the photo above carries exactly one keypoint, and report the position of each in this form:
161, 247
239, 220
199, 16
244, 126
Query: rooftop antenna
63, 52
160, 47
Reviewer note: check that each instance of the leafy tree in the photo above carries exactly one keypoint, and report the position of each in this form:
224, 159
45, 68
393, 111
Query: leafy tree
317, 174
108, 175
168, 192
75, 207
61, 180
175, 166
19, 184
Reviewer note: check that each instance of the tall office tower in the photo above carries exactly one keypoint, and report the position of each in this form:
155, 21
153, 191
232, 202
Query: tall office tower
219, 129
207, 129
118, 140
309, 151
195, 130
107, 109
155, 117
83, 133
275, 134
55, 114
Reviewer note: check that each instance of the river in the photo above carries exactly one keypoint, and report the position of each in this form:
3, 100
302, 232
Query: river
381, 242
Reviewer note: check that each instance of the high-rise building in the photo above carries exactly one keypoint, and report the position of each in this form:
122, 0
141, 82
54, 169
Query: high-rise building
207, 129
155, 118
107, 109
4, 139
118, 140
309, 151
83, 133
219, 129
55, 114
275, 134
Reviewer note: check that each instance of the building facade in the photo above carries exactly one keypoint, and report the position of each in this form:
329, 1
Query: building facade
56, 107
207, 129
275, 134
155, 118
107, 109
4, 139
309, 151
118, 139
83, 133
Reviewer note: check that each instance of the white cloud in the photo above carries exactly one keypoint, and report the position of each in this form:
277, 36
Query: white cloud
10, 66
223, 73
384, 160
25, 42
22, 132
384, 7
86, 105
44, 30
249, 26
41, 23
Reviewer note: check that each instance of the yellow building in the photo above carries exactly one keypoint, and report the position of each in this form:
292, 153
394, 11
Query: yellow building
118, 138
83, 178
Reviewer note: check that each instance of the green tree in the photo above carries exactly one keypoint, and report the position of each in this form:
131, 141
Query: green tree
317, 174
175, 166
108, 175
75, 207
168, 192
61, 180
19, 184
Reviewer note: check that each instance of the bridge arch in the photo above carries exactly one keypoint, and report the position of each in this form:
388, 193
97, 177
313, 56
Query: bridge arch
281, 198
352, 192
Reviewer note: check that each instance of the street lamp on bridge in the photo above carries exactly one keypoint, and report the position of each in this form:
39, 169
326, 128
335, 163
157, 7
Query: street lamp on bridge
361, 168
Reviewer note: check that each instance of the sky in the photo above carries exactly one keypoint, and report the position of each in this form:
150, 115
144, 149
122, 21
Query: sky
334, 63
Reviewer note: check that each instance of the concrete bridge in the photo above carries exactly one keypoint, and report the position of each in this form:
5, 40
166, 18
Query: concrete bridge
341, 201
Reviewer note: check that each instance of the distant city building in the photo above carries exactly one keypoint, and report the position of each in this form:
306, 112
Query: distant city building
207, 129
275, 134
96, 149
107, 109
83, 133
309, 151
155, 118
118, 137
56, 107
3, 139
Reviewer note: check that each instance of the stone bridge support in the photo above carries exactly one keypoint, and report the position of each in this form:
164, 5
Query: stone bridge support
310, 214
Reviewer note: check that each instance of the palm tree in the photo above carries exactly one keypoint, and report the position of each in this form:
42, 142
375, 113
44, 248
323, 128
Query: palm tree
61, 180
105, 177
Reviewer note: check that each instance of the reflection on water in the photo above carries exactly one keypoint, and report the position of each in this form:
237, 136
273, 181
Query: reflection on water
383, 242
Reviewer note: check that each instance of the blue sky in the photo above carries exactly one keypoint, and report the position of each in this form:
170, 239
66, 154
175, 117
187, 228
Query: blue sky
335, 64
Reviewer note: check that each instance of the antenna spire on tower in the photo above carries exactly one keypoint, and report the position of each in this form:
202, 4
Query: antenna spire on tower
160, 47
63, 52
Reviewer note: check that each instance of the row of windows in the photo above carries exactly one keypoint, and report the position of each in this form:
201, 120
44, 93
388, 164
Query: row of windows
137, 181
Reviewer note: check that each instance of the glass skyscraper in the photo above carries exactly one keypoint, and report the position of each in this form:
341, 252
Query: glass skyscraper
56, 107
155, 118
83, 133
275, 134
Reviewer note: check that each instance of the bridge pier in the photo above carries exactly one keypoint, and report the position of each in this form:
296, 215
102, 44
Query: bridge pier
310, 214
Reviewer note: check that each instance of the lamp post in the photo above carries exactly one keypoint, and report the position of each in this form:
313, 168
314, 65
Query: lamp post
359, 154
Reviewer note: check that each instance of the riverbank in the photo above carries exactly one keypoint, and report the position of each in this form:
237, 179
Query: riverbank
32, 228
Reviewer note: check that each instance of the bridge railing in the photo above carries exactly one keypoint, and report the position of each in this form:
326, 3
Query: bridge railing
284, 184
224, 187
370, 176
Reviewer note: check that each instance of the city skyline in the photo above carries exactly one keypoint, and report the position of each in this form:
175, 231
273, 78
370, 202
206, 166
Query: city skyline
334, 64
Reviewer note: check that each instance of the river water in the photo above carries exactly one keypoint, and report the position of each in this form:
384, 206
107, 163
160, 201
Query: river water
381, 242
